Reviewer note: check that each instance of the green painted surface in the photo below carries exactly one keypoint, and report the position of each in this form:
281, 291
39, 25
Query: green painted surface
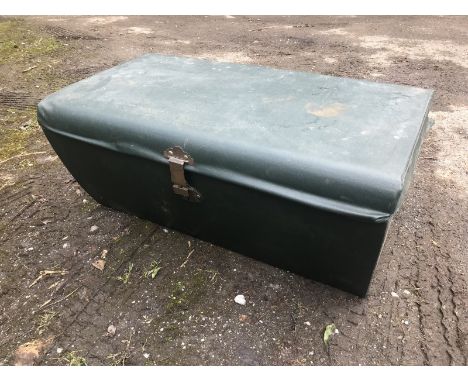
336, 143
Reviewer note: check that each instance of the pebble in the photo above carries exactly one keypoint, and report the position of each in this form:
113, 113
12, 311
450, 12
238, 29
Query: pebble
395, 295
165, 230
104, 253
146, 355
59, 350
240, 299
111, 330
307, 323
66, 245
93, 228
406, 292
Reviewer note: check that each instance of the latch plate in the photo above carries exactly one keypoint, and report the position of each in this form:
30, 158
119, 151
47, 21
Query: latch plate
177, 159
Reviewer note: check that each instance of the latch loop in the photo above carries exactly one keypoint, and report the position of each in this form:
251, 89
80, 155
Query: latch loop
177, 158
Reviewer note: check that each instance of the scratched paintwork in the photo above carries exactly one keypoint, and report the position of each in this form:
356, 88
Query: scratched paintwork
325, 136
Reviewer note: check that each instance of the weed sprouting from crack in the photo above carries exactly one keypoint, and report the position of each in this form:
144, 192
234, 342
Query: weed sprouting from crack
152, 271
45, 320
118, 359
125, 278
73, 359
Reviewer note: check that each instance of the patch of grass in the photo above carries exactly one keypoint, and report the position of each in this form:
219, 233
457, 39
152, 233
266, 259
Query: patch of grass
118, 359
73, 359
14, 140
183, 296
17, 42
45, 320
90, 205
178, 296
153, 270
125, 278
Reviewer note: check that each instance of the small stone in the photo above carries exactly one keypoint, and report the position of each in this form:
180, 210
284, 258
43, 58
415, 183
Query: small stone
59, 350
111, 330
406, 322
395, 295
406, 292
65, 245
240, 299
85, 201
93, 228
380, 316
146, 355
104, 253
165, 230
311, 353
307, 323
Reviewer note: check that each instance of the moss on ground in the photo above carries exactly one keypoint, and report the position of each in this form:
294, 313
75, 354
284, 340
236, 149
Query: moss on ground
16, 130
18, 43
185, 295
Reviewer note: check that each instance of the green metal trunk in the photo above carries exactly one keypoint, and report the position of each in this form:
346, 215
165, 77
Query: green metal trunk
299, 170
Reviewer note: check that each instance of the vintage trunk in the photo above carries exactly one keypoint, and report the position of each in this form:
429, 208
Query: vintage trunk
299, 170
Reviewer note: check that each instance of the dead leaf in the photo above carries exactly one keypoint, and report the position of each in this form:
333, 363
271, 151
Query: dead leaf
27, 354
329, 331
99, 264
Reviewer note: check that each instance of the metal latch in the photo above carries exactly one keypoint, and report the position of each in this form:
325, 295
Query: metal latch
177, 158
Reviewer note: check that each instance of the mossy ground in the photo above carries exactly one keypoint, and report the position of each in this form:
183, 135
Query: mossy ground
28, 56
19, 43
17, 128
186, 294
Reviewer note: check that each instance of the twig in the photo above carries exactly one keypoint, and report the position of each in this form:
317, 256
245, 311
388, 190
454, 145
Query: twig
47, 273
7, 184
56, 302
30, 68
23, 155
187, 259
